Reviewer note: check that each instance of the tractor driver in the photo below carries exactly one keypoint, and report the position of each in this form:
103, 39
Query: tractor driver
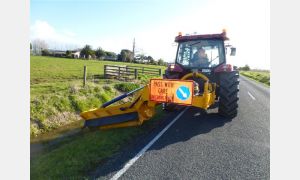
200, 58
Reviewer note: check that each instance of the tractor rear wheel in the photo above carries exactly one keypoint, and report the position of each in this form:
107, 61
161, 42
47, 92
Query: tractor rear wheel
228, 94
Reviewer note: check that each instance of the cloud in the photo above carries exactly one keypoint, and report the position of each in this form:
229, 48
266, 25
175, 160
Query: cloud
63, 39
42, 30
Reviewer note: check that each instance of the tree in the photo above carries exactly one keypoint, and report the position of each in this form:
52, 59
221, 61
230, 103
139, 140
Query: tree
30, 48
126, 55
140, 58
38, 45
100, 53
150, 60
245, 68
119, 57
110, 54
45, 52
87, 51
160, 62
69, 54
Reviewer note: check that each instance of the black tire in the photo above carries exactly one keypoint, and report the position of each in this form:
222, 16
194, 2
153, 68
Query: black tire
228, 94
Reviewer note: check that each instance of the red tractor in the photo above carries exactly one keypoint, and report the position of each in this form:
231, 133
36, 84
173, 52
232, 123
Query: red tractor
206, 54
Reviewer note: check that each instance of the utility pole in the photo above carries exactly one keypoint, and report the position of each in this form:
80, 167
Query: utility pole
133, 48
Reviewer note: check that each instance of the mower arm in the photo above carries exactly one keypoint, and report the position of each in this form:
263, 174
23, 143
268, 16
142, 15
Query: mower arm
129, 114
141, 108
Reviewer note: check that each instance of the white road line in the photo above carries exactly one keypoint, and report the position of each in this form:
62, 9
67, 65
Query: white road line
136, 157
251, 95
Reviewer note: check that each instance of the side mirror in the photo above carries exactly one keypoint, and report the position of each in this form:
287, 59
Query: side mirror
233, 51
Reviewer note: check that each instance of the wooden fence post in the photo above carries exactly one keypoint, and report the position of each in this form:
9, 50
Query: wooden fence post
105, 67
135, 74
159, 71
84, 75
119, 72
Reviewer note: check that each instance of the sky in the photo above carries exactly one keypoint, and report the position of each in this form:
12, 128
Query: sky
113, 24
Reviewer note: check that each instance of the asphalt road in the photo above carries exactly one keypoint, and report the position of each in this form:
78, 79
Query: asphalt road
203, 145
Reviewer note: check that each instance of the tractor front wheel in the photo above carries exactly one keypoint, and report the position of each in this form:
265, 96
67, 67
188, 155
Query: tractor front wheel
228, 94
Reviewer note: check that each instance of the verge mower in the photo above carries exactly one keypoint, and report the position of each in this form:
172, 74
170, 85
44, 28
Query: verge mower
200, 77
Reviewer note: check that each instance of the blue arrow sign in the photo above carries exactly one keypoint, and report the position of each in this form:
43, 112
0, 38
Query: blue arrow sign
183, 93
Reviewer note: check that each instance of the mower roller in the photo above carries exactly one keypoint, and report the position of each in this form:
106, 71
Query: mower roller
200, 82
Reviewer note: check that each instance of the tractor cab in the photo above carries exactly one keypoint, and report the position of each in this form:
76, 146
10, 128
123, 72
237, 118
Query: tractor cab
204, 53
199, 54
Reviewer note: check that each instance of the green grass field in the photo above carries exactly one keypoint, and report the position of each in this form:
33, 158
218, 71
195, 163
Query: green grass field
51, 69
56, 99
260, 76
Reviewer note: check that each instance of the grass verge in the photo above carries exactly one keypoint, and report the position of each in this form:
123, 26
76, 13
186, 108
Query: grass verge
53, 105
263, 77
78, 156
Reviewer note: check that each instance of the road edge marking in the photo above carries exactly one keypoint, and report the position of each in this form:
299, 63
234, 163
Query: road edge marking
251, 95
138, 155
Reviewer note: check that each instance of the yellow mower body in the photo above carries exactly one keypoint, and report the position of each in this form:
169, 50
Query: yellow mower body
142, 108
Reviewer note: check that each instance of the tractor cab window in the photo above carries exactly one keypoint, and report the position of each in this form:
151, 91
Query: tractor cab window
201, 53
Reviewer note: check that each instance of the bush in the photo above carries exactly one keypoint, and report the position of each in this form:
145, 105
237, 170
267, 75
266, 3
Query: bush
92, 102
126, 87
60, 103
77, 104
104, 97
45, 52
245, 68
107, 88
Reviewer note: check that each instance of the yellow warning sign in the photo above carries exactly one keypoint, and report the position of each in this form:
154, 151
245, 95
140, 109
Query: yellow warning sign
171, 91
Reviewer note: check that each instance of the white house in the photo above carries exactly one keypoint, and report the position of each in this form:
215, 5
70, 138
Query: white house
76, 54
